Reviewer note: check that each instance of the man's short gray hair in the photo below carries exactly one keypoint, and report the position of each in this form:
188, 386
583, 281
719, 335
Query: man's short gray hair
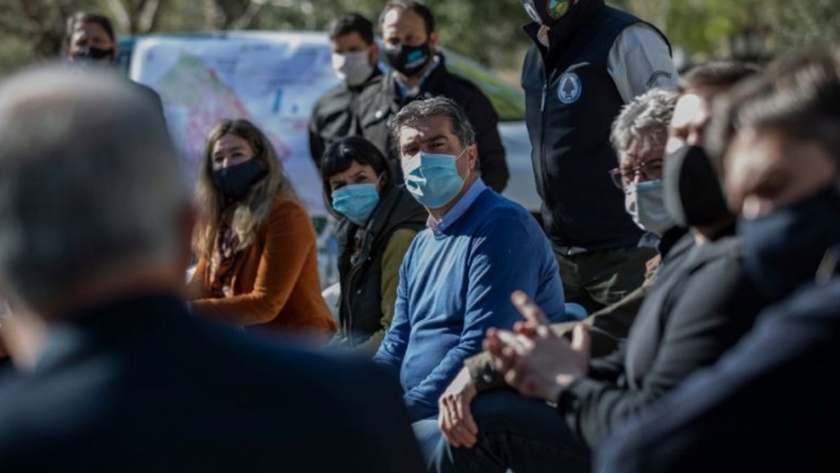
89, 182
434, 107
645, 119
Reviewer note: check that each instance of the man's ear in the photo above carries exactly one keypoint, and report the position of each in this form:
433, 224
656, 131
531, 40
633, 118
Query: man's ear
433, 40
374, 53
472, 151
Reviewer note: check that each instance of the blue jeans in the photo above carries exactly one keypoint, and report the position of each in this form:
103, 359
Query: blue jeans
518, 433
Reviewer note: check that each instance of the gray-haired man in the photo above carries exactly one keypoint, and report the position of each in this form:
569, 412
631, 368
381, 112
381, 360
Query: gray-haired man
94, 243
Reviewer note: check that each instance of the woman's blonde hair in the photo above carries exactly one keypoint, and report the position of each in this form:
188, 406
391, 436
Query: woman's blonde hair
253, 210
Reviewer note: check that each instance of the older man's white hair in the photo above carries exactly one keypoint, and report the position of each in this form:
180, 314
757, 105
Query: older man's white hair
645, 120
89, 182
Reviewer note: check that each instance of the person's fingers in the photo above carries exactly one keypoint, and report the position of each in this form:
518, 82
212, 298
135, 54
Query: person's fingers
510, 378
507, 357
468, 439
464, 416
493, 345
526, 329
528, 309
447, 426
581, 341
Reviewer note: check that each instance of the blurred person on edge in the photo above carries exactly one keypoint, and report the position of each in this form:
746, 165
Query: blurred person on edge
770, 403
652, 122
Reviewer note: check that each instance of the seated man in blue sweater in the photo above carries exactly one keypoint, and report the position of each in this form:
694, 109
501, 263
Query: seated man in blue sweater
458, 275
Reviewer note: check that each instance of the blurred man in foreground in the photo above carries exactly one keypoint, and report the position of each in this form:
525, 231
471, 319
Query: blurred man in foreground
115, 375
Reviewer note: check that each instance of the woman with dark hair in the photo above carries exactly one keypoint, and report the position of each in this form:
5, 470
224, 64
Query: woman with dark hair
379, 220
257, 263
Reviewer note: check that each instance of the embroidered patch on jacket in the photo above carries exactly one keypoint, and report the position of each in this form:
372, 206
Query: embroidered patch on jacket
655, 77
570, 88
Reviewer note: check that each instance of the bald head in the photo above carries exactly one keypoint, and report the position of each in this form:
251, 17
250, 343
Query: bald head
89, 182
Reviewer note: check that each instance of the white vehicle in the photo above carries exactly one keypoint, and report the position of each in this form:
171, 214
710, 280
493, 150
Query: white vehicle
274, 79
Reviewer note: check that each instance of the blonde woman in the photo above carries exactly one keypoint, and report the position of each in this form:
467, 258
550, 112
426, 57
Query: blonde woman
257, 258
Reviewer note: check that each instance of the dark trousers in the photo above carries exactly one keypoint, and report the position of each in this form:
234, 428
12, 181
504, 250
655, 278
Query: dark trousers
596, 279
517, 433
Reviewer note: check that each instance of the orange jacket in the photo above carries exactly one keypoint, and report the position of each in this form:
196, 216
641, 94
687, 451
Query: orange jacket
275, 279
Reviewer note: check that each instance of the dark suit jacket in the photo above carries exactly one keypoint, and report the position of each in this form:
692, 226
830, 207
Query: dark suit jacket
697, 310
138, 385
770, 404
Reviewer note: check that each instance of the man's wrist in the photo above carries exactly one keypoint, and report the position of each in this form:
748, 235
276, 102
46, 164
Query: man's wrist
482, 372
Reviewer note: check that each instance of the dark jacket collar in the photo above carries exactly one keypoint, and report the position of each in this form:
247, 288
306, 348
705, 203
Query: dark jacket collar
374, 76
111, 324
433, 85
669, 239
564, 30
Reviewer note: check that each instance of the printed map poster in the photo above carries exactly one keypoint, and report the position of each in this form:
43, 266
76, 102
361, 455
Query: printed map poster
271, 79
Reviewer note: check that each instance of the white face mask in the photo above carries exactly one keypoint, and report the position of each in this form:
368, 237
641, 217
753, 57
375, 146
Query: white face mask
352, 68
645, 202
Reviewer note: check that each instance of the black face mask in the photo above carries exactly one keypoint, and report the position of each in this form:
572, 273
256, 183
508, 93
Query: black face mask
784, 249
235, 181
409, 60
95, 54
693, 195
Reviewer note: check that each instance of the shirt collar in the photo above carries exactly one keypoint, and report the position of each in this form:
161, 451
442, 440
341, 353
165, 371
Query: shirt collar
458, 209
405, 91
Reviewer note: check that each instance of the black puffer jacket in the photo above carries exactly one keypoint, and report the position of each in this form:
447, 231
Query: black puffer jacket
360, 311
334, 117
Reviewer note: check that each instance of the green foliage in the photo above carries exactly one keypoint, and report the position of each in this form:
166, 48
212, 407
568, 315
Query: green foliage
487, 30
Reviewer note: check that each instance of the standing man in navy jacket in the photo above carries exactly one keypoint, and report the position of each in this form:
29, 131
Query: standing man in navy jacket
587, 61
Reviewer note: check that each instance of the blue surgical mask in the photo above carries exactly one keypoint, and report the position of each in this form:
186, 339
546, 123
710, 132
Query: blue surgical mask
645, 202
356, 201
432, 179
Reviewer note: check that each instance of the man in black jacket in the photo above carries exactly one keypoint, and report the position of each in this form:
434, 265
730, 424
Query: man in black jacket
698, 307
355, 56
609, 326
587, 61
410, 42
116, 375
771, 402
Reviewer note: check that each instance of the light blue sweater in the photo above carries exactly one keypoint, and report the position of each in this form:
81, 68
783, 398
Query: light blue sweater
456, 282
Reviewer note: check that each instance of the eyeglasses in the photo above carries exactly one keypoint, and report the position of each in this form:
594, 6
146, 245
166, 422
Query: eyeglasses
648, 170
